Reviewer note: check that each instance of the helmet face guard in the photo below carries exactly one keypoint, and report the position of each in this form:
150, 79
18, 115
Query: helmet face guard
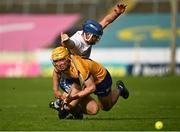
86, 38
93, 27
89, 37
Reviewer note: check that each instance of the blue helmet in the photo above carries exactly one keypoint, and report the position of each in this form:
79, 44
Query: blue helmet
93, 27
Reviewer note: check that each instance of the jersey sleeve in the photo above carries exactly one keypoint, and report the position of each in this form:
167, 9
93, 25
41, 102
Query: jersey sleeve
83, 68
80, 46
77, 41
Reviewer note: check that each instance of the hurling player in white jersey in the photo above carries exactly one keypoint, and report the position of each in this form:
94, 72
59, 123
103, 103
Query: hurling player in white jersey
81, 43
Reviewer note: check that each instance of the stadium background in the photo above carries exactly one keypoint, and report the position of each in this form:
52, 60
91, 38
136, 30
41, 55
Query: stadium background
136, 45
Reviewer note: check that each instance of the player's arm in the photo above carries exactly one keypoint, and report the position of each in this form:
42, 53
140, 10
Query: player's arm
66, 42
90, 87
119, 9
56, 78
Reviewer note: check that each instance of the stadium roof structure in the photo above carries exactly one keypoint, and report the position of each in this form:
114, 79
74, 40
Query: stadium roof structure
31, 32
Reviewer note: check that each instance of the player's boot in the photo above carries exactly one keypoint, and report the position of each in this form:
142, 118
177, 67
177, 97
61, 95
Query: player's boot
62, 114
77, 112
55, 104
78, 116
69, 116
123, 90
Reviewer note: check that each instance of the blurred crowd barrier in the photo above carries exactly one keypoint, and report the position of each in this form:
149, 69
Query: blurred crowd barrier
87, 8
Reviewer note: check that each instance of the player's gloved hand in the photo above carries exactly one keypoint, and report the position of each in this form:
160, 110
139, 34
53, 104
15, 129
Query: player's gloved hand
64, 37
120, 8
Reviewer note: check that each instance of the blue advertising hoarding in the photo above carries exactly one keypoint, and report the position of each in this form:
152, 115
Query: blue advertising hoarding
148, 30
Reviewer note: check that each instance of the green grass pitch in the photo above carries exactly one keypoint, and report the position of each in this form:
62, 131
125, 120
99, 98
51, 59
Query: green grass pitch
24, 106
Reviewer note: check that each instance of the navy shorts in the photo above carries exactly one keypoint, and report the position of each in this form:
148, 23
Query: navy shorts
104, 88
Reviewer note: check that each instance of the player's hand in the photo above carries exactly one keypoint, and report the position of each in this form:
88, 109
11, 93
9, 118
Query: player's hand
67, 100
120, 8
65, 103
57, 94
64, 37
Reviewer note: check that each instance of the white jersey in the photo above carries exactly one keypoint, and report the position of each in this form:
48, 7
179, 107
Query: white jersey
81, 47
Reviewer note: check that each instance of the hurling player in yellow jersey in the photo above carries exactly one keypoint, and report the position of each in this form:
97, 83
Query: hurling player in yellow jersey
96, 79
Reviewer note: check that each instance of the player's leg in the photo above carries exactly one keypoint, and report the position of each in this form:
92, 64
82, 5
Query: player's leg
108, 97
108, 101
89, 105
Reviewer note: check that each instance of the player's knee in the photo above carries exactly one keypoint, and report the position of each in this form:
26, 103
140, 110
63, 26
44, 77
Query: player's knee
94, 110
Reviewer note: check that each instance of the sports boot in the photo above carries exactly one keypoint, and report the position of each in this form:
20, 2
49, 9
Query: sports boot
123, 90
78, 116
55, 104
62, 114
77, 112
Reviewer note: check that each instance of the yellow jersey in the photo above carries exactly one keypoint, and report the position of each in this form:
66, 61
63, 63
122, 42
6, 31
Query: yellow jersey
86, 68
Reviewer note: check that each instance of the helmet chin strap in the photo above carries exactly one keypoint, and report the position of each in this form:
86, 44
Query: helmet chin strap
85, 36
